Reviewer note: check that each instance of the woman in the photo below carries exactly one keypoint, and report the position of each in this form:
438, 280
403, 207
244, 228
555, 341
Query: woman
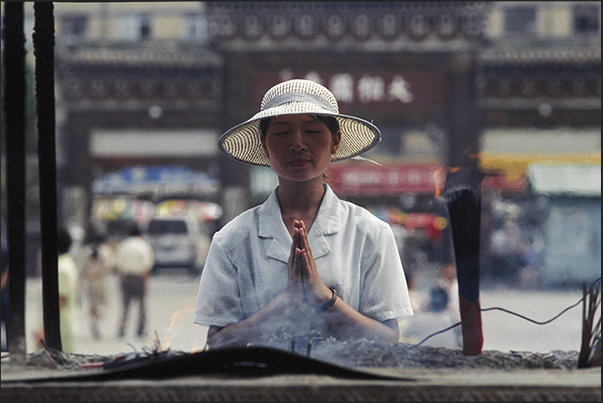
97, 267
304, 261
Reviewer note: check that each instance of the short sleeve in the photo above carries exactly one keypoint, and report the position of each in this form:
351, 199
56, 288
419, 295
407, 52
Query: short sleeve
385, 292
218, 297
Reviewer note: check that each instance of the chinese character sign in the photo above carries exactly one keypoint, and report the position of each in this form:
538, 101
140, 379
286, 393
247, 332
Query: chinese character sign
413, 90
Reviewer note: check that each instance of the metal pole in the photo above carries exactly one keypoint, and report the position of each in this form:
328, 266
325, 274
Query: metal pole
43, 40
14, 107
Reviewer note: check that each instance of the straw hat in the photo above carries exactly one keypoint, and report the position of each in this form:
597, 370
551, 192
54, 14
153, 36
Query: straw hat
243, 141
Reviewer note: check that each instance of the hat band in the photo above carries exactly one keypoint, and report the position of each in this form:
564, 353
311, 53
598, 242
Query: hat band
299, 96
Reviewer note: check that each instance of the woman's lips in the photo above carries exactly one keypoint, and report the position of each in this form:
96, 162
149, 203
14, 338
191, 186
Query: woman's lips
298, 162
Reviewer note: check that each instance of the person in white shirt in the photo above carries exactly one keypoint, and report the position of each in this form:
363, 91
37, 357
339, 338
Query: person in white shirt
69, 288
133, 263
97, 267
304, 261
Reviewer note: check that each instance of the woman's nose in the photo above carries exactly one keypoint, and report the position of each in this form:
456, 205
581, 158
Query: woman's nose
297, 141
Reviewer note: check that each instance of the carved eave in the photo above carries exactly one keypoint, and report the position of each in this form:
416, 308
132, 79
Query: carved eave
334, 26
132, 78
531, 78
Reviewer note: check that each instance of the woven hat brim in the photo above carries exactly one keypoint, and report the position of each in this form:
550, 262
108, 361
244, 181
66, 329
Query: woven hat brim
243, 142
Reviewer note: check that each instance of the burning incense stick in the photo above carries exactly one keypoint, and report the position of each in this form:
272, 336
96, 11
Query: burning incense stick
464, 209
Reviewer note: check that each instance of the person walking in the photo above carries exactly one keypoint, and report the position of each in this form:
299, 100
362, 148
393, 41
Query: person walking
304, 260
424, 327
448, 281
97, 267
68, 290
69, 297
133, 263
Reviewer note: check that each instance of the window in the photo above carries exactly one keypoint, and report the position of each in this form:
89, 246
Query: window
520, 20
134, 27
158, 227
587, 18
74, 25
194, 27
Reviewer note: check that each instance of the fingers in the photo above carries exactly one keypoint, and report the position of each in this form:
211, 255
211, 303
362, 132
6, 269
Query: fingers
303, 260
294, 245
302, 235
296, 242
301, 263
300, 259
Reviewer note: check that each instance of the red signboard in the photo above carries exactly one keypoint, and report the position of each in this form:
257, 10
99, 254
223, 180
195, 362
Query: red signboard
370, 179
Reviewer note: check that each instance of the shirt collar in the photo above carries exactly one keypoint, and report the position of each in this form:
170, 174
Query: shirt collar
271, 225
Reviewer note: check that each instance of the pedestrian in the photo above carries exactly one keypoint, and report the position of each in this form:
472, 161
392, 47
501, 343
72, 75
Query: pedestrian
133, 263
97, 267
68, 290
415, 297
68, 293
424, 327
449, 282
304, 260
416, 300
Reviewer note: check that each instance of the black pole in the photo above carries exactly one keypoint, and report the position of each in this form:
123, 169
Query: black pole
43, 40
14, 107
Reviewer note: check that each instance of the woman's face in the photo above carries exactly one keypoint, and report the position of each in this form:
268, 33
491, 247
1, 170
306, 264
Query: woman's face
299, 147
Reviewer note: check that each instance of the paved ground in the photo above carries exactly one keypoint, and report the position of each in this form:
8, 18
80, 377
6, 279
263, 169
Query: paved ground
171, 307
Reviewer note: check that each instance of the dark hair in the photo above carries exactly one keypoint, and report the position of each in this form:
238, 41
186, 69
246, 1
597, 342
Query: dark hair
134, 230
94, 253
64, 241
438, 297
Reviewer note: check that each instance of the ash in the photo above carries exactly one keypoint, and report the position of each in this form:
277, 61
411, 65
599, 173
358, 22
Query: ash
366, 353
356, 354
373, 354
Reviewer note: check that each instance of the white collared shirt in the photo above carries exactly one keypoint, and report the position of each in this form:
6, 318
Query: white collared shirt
355, 252
134, 256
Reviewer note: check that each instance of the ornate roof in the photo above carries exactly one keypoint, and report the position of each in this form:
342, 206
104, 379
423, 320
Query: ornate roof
137, 55
508, 55
137, 73
372, 25
562, 77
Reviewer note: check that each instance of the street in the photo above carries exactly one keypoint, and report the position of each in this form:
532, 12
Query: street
171, 304
170, 309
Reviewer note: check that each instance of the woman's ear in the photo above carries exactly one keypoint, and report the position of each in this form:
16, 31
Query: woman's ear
335, 142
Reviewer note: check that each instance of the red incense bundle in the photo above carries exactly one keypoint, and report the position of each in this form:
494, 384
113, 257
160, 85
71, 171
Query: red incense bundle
464, 210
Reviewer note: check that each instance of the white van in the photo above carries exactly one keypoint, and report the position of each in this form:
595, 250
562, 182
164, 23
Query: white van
178, 242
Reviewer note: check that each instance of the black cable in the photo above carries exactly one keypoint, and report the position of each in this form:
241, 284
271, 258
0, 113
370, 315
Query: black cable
435, 334
512, 313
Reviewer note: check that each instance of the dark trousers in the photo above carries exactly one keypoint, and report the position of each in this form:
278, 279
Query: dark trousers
133, 289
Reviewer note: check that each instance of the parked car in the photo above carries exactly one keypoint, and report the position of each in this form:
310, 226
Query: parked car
179, 242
